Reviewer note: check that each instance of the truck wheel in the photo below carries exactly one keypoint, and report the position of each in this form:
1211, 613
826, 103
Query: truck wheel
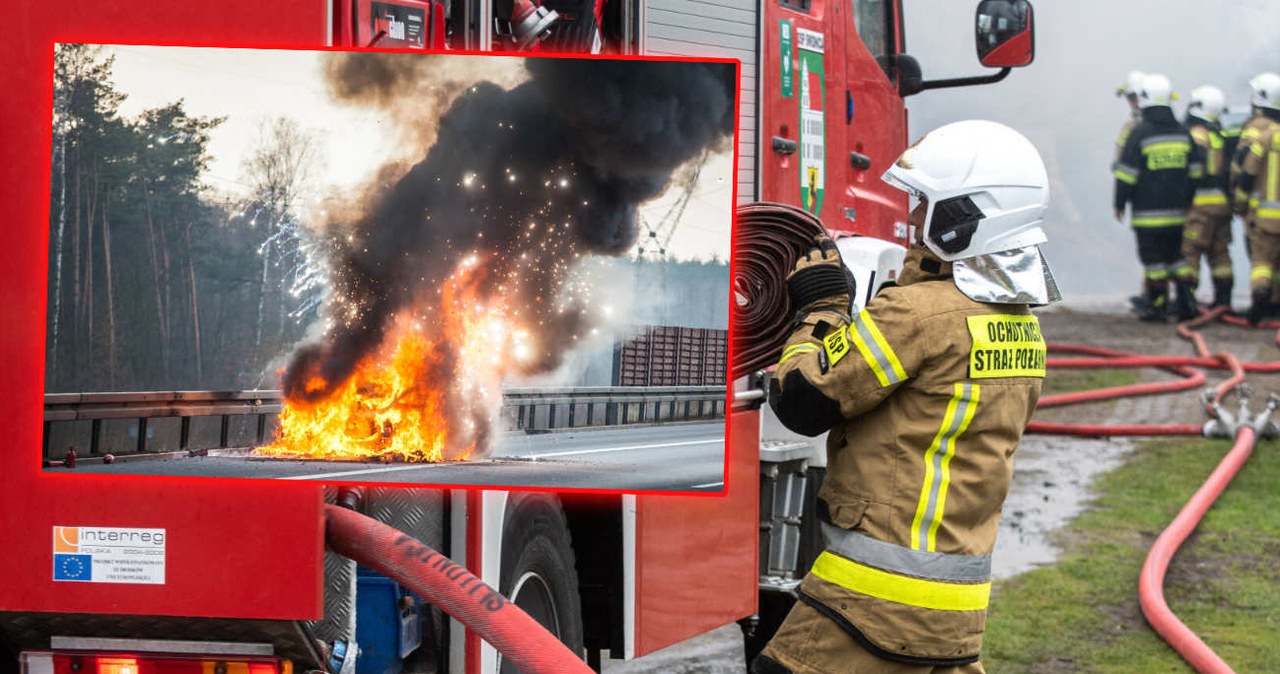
538, 572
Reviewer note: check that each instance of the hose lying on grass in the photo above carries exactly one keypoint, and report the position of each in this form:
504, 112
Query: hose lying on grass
1151, 580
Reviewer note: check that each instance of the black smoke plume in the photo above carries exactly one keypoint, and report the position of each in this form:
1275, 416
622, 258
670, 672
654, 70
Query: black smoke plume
529, 178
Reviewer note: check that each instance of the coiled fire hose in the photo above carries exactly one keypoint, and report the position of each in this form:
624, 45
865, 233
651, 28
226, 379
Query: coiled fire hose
770, 237
445, 584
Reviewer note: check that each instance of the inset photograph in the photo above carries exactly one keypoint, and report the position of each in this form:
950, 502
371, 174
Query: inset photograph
389, 267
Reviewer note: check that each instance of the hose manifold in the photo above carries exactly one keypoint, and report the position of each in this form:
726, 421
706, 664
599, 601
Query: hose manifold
1226, 425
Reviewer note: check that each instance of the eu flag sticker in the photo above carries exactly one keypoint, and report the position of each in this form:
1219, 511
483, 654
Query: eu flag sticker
73, 567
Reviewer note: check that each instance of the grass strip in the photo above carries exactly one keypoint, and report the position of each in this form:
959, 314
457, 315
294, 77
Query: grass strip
1070, 381
1082, 614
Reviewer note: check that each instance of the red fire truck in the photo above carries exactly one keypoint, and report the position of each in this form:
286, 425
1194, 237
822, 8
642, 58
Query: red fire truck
237, 579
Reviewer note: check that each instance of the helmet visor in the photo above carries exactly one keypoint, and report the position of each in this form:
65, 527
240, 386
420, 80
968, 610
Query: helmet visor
897, 182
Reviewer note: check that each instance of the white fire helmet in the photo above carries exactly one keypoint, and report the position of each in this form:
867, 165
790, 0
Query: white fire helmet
1155, 90
1207, 102
987, 191
1132, 82
985, 185
1266, 91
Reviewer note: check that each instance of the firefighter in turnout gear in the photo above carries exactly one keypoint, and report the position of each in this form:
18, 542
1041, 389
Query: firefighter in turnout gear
1258, 195
1265, 101
926, 393
1154, 174
1130, 92
1208, 231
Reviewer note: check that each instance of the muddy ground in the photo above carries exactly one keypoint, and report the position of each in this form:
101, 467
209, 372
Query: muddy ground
1053, 473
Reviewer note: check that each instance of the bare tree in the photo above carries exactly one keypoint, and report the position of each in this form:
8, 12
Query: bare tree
278, 170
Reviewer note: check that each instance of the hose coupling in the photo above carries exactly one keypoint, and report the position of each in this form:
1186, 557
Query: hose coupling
1244, 414
1262, 424
1222, 424
1218, 428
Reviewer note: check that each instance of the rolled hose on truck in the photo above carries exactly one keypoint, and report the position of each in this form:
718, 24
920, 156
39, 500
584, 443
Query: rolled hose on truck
771, 236
450, 587
769, 239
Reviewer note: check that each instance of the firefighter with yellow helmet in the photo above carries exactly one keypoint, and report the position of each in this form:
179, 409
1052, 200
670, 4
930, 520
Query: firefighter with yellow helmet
1208, 231
1154, 175
926, 393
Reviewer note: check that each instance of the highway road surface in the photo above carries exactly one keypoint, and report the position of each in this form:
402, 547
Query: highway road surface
675, 457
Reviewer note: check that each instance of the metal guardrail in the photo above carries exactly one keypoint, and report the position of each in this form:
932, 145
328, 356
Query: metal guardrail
246, 415
618, 405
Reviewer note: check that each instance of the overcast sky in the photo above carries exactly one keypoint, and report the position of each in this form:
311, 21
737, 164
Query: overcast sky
1065, 101
249, 85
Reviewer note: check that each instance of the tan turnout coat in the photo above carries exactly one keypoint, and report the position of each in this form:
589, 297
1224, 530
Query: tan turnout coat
935, 391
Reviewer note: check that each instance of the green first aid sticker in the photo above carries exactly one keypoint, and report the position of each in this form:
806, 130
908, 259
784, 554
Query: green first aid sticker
1005, 346
784, 33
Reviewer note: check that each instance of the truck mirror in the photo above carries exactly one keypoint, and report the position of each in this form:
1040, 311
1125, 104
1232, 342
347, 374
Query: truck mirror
910, 79
1005, 33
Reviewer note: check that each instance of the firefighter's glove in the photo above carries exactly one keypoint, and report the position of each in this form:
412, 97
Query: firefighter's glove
820, 280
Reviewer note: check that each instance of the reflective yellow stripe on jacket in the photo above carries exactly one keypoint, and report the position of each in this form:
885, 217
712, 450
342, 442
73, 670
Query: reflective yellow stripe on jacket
796, 349
875, 350
1209, 197
873, 582
937, 466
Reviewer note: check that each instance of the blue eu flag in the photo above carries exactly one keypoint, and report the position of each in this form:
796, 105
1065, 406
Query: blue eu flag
73, 567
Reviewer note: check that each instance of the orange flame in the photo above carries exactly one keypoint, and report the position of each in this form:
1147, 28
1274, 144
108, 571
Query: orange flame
429, 394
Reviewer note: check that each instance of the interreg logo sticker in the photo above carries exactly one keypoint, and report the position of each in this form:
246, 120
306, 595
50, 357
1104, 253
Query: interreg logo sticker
109, 555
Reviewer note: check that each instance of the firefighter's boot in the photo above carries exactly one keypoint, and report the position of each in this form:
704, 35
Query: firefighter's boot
1222, 293
1185, 305
1260, 307
1157, 308
1138, 304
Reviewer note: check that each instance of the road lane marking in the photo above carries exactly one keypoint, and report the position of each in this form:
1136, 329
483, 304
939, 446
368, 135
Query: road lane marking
325, 476
707, 485
366, 471
620, 449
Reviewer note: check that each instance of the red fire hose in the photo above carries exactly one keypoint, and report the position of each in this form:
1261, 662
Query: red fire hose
436, 578
1098, 357
768, 239
1102, 357
1151, 582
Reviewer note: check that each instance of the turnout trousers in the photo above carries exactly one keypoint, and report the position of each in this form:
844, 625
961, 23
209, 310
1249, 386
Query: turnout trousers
1264, 256
1160, 251
1208, 236
810, 643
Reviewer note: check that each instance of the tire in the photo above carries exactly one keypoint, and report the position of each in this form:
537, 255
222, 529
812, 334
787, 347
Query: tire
538, 572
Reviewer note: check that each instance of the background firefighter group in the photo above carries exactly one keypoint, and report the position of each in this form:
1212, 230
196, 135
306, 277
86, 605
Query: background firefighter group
1183, 181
